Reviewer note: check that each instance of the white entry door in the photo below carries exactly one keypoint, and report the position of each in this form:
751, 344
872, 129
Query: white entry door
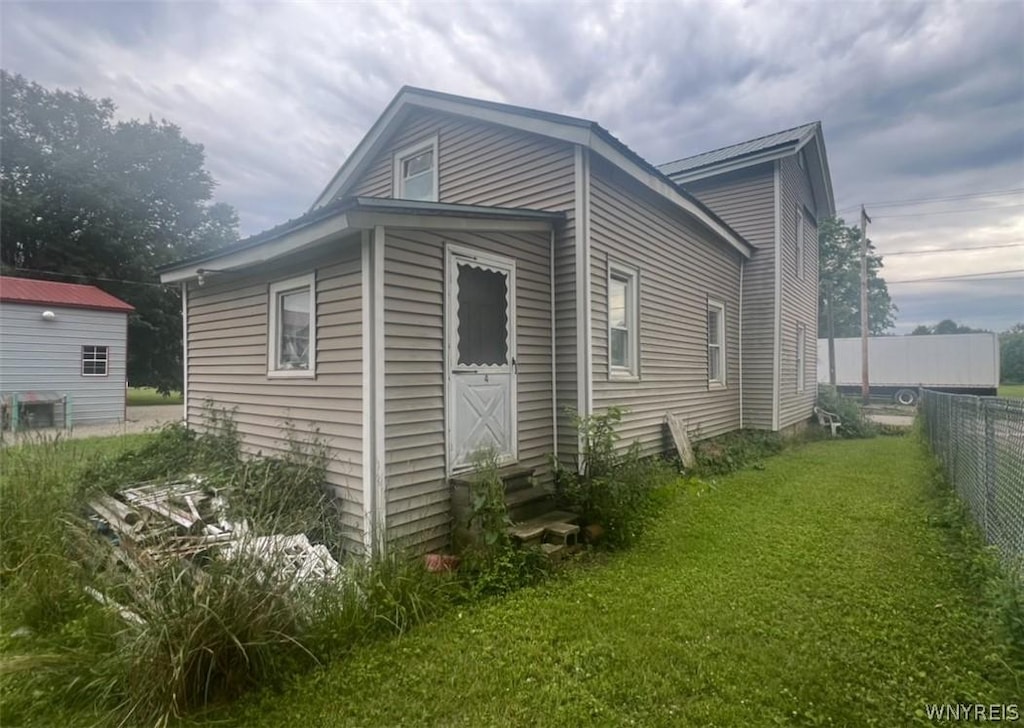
480, 356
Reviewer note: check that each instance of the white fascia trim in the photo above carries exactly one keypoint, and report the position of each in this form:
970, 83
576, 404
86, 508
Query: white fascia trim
777, 314
366, 303
290, 243
430, 143
365, 219
184, 351
714, 170
379, 465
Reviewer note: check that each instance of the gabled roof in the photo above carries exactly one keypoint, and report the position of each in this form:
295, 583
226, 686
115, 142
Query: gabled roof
570, 129
51, 293
779, 140
758, 151
348, 215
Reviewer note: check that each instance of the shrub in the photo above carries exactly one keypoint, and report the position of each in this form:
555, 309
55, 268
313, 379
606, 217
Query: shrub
735, 450
609, 486
854, 423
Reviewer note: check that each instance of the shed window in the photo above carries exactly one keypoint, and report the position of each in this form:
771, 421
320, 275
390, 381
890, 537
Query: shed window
415, 174
623, 323
292, 339
94, 361
716, 344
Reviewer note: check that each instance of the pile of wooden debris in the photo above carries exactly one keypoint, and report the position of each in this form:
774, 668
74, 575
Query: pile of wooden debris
153, 522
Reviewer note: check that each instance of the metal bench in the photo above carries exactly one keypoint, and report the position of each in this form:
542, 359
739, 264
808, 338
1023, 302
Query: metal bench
828, 419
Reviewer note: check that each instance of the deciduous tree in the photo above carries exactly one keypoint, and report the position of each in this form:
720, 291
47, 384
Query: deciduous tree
90, 199
839, 278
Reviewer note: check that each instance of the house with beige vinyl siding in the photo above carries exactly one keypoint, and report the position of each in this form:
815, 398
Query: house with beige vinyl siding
472, 275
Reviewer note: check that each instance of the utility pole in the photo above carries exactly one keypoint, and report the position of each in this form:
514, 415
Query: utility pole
864, 379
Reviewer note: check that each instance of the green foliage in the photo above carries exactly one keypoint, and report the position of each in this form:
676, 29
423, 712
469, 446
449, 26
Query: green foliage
815, 591
610, 486
734, 451
148, 396
854, 423
839, 277
503, 570
1011, 355
92, 200
489, 517
946, 326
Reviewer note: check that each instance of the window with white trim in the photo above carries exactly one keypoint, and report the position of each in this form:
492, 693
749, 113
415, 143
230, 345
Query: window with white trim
801, 357
415, 173
623, 323
800, 231
716, 343
291, 350
95, 360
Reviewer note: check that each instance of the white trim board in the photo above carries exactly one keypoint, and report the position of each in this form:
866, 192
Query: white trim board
366, 286
378, 418
777, 313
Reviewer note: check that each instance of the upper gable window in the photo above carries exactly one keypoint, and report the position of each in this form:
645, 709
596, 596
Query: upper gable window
415, 174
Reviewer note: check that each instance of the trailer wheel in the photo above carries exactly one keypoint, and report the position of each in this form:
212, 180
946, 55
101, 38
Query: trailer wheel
906, 397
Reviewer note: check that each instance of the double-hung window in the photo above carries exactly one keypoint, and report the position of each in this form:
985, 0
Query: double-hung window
292, 336
623, 323
415, 173
95, 360
801, 356
716, 344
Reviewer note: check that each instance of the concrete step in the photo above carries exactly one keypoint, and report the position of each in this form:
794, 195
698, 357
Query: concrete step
567, 534
552, 527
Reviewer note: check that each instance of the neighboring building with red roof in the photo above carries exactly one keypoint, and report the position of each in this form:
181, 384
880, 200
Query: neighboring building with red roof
63, 353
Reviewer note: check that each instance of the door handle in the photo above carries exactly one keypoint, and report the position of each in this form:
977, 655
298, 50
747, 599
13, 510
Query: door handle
515, 366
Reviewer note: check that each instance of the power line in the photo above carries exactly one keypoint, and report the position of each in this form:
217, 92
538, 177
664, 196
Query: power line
88, 278
963, 276
949, 212
946, 198
949, 250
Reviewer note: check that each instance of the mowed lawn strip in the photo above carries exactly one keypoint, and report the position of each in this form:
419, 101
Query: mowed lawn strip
814, 592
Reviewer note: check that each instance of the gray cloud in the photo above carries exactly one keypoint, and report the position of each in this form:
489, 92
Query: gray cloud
917, 99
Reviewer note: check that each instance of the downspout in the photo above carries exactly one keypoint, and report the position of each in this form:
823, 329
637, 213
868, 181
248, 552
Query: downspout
743, 264
184, 357
554, 346
777, 338
366, 303
379, 475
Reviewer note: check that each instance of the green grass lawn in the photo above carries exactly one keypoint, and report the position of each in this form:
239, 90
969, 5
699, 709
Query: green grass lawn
145, 396
1011, 390
818, 591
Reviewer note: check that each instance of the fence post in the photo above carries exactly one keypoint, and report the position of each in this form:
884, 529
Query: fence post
991, 509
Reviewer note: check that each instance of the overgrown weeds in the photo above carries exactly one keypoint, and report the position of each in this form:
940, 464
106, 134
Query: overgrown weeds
734, 451
854, 422
609, 486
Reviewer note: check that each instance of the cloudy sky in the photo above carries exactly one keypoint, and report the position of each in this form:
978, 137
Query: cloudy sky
922, 103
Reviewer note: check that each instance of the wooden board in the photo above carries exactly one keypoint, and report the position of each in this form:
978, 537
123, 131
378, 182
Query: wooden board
681, 440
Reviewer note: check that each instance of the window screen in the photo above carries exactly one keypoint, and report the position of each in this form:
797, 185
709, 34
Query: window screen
482, 316
418, 177
618, 317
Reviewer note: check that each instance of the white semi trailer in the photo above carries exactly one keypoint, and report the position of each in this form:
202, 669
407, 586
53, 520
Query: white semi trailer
898, 366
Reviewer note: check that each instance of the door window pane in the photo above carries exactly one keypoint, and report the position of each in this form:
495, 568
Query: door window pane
482, 316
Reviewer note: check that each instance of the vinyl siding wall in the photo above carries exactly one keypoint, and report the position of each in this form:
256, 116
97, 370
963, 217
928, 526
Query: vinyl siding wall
46, 356
680, 266
745, 200
799, 297
227, 347
418, 494
487, 164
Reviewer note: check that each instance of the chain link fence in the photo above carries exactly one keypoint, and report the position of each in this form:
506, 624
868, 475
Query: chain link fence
980, 443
